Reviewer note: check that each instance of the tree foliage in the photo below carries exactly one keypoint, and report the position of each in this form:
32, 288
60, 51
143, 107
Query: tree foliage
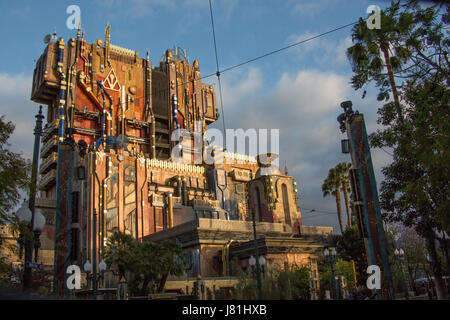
413, 42
341, 267
414, 261
277, 285
146, 265
351, 247
337, 181
14, 172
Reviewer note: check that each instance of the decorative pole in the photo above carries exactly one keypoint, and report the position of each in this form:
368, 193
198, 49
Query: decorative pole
258, 268
29, 243
367, 203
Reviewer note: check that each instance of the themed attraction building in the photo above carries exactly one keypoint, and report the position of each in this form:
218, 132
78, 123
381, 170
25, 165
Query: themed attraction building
119, 153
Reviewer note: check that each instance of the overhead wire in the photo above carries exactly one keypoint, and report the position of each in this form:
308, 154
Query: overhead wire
286, 47
218, 74
318, 211
218, 71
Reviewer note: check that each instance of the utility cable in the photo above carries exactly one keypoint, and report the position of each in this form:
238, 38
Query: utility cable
219, 72
218, 75
287, 47
318, 211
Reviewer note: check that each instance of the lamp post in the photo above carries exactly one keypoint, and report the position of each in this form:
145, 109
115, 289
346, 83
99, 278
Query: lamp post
330, 256
252, 263
94, 277
258, 269
30, 216
262, 263
400, 255
35, 222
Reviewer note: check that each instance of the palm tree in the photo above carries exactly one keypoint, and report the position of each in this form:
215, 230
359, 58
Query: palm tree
332, 185
343, 170
365, 55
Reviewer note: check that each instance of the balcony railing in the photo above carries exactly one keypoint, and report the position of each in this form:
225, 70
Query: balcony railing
47, 179
48, 146
45, 203
48, 163
49, 129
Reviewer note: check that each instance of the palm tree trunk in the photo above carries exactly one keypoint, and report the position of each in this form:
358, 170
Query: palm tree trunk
385, 49
339, 210
347, 203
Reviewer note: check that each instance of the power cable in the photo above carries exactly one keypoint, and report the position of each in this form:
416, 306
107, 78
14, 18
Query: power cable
318, 211
218, 75
287, 47
264, 55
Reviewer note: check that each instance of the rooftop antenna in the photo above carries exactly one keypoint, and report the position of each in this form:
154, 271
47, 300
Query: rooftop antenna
107, 41
79, 29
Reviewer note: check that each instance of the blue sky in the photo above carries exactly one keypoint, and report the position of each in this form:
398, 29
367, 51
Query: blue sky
298, 90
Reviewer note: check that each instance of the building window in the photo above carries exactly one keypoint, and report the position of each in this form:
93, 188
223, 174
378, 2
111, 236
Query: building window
287, 214
258, 208
74, 245
75, 204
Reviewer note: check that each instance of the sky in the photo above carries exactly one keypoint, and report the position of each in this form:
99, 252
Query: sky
298, 90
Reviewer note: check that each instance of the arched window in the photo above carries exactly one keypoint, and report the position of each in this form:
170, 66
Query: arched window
258, 208
287, 214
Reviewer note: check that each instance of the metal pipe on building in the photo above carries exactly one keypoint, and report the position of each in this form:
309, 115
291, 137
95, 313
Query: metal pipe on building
184, 193
170, 209
104, 190
142, 202
179, 192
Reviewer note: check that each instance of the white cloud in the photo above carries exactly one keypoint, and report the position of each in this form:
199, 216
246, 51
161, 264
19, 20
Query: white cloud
16, 106
237, 90
311, 8
324, 51
304, 106
141, 8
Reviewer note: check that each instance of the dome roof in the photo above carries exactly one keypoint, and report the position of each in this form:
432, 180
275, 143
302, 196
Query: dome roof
268, 171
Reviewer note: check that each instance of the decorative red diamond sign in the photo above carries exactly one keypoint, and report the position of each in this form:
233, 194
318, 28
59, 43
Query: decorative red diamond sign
111, 82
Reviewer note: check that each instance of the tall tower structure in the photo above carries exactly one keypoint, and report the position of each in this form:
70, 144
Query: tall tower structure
114, 121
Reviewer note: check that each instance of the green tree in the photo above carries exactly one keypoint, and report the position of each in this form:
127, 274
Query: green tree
332, 185
351, 248
336, 181
401, 237
14, 178
14, 173
369, 49
415, 191
146, 265
120, 253
341, 267
277, 285
343, 170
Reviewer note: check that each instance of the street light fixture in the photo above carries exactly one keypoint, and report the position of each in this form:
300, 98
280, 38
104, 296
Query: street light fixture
262, 263
330, 256
94, 277
252, 263
400, 253
39, 224
25, 215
